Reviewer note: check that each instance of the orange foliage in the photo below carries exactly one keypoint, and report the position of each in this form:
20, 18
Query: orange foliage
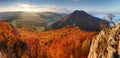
11, 45
67, 42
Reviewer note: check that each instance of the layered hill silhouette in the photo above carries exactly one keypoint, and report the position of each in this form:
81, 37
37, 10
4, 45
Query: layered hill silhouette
82, 19
37, 21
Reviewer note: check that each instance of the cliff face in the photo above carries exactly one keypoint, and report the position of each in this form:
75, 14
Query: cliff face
106, 44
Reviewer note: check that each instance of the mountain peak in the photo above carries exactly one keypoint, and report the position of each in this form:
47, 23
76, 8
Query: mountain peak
79, 12
80, 18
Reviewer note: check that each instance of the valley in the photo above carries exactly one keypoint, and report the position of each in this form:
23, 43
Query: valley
77, 35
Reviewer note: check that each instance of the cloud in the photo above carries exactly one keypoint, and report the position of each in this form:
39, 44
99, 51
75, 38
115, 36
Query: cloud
35, 8
26, 6
103, 11
53, 8
44, 8
95, 11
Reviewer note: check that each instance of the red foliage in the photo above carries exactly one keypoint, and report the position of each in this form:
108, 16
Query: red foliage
67, 42
11, 45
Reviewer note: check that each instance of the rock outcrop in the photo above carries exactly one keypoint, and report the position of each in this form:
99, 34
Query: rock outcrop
106, 44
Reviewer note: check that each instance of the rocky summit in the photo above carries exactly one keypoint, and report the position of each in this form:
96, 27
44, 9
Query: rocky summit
82, 19
106, 44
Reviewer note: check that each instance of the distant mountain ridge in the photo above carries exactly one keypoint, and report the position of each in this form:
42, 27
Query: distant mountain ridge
82, 19
38, 21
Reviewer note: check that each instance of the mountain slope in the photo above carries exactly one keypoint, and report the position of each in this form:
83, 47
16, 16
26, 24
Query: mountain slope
11, 45
30, 20
70, 42
38, 21
83, 20
106, 44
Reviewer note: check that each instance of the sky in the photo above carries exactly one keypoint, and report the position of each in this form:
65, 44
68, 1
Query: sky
61, 6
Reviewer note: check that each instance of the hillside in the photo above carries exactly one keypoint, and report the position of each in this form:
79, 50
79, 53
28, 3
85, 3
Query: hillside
37, 21
68, 42
82, 19
11, 45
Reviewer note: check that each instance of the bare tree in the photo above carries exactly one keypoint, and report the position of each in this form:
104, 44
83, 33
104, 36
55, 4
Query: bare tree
111, 16
104, 23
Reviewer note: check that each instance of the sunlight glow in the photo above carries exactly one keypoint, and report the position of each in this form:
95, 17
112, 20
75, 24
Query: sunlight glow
35, 8
26, 7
